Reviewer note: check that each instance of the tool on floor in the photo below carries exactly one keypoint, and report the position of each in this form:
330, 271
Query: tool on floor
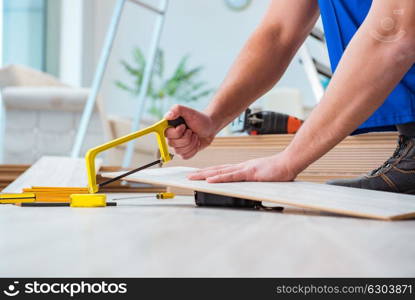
58, 204
75, 200
158, 196
55, 194
165, 195
213, 200
88, 200
159, 129
266, 122
17, 198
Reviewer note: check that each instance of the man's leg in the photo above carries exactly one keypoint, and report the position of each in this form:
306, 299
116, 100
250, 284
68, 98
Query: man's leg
397, 174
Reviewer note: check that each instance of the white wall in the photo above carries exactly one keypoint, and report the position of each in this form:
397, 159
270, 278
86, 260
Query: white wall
207, 30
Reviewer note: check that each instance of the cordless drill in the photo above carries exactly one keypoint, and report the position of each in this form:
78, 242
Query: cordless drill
266, 122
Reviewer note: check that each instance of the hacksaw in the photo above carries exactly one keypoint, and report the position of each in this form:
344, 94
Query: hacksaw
87, 196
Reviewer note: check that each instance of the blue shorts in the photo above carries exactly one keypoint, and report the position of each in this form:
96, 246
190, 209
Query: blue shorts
341, 20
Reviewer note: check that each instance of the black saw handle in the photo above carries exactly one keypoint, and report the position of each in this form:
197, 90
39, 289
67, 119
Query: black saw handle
177, 122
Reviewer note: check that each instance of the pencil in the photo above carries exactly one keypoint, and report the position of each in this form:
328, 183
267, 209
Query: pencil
39, 204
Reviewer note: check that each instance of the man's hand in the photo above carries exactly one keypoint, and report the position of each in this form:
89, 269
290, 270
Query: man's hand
186, 142
272, 168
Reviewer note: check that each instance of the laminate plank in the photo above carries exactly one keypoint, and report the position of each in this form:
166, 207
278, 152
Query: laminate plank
327, 198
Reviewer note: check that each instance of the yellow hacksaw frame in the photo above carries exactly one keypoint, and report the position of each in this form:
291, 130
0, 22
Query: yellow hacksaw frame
158, 128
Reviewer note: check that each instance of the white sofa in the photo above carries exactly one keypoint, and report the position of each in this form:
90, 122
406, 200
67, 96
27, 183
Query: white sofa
40, 116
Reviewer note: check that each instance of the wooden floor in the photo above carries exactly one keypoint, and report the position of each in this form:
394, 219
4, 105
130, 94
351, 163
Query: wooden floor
174, 238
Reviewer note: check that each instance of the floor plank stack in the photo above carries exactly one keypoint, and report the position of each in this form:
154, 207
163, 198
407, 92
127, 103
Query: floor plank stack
9, 173
354, 156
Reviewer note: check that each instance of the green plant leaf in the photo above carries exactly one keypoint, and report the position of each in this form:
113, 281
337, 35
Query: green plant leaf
130, 69
139, 58
124, 87
181, 85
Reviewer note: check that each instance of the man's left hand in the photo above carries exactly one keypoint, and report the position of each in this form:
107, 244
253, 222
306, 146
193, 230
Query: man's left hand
272, 168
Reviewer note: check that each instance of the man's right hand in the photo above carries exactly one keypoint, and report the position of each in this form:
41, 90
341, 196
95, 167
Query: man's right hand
186, 142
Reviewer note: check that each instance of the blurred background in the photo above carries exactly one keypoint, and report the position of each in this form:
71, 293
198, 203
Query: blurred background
51, 50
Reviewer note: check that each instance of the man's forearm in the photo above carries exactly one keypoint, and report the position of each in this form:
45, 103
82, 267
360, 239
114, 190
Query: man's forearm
367, 73
263, 59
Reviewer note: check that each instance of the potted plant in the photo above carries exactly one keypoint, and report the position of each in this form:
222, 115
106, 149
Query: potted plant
183, 86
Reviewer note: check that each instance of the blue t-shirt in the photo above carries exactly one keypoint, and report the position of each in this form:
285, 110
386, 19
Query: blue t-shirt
341, 20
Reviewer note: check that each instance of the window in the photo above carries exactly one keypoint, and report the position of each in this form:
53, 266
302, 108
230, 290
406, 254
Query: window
24, 38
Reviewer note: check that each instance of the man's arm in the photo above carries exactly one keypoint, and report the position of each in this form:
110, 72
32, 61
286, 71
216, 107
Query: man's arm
265, 58
377, 58
261, 63
373, 64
